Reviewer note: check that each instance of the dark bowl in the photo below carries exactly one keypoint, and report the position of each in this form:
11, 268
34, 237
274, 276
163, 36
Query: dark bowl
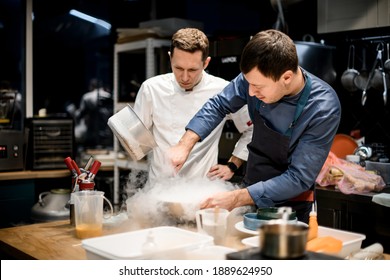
252, 222
271, 213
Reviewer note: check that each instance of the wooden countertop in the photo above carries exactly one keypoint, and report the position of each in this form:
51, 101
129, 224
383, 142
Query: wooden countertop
42, 174
34, 174
44, 241
57, 241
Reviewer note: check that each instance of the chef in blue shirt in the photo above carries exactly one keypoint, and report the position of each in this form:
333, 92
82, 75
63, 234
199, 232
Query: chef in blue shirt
295, 116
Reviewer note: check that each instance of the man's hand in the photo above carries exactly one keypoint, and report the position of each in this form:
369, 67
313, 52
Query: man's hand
220, 171
228, 200
178, 154
223, 172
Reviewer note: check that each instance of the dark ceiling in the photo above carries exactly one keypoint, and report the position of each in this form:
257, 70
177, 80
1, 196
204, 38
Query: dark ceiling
68, 51
53, 21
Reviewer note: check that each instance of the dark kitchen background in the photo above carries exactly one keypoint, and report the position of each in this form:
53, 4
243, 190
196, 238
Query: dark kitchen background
68, 52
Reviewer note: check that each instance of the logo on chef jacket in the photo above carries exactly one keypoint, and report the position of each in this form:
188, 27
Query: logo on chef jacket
229, 59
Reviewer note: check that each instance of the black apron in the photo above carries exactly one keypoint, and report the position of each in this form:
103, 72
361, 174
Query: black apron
268, 154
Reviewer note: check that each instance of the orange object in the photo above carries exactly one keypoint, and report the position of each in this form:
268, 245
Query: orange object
325, 244
313, 227
343, 145
305, 196
313, 223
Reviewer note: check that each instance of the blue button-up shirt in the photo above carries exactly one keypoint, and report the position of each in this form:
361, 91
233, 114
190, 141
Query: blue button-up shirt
310, 142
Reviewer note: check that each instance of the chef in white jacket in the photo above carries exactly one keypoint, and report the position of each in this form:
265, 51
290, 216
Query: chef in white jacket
167, 102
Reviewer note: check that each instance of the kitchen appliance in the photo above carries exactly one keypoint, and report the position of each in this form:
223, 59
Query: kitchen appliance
12, 137
11, 150
51, 206
51, 140
254, 254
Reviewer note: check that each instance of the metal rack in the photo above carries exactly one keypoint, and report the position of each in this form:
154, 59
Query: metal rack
148, 48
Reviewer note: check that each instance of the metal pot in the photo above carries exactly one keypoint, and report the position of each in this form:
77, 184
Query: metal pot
131, 132
280, 240
317, 59
360, 80
51, 206
348, 77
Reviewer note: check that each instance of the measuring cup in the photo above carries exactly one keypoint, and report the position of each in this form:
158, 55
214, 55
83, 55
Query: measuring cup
88, 206
213, 222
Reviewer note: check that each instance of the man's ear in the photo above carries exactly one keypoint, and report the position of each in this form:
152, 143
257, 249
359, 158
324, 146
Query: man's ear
287, 77
206, 62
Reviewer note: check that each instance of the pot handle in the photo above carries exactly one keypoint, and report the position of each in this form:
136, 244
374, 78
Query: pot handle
351, 57
377, 59
285, 213
40, 198
385, 87
111, 213
383, 73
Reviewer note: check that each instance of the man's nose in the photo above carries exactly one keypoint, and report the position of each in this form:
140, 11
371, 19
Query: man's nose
185, 76
251, 91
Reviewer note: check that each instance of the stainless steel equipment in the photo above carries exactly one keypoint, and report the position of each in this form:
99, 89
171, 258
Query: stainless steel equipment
51, 206
51, 140
11, 150
12, 136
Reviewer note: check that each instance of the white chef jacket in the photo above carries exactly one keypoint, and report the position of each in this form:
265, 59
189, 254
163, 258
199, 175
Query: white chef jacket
165, 108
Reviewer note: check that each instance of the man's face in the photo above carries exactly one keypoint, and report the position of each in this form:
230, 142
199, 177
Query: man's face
187, 68
263, 88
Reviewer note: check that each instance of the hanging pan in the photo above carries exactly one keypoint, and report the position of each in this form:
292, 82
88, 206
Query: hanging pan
360, 80
349, 75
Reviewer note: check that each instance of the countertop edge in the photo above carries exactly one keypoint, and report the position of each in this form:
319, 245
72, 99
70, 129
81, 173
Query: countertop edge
34, 174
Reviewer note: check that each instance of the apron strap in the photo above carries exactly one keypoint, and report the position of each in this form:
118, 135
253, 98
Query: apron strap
301, 104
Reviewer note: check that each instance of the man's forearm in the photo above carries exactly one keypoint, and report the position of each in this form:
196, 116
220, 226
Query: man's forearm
188, 140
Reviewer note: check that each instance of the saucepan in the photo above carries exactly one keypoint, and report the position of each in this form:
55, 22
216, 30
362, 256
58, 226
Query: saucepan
282, 240
131, 132
377, 77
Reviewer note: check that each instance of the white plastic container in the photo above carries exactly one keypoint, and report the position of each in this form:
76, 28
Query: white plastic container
154, 243
352, 242
215, 252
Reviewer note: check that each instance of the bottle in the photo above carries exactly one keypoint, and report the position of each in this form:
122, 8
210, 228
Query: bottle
69, 163
313, 224
93, 171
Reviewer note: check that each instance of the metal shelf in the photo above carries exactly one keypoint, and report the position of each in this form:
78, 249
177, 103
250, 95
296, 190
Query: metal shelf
146, 46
